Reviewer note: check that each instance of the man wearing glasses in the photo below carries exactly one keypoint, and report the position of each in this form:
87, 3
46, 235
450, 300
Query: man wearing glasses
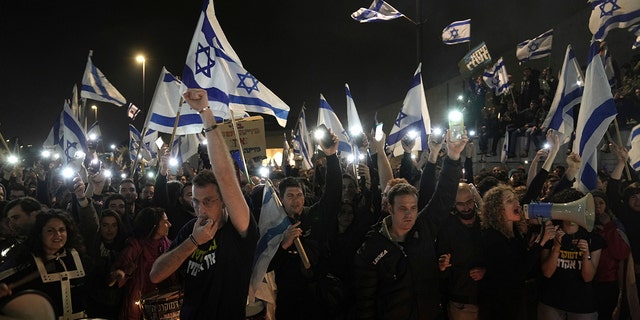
213, 254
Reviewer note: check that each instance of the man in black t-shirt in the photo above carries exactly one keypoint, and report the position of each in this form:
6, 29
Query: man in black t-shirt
214, 252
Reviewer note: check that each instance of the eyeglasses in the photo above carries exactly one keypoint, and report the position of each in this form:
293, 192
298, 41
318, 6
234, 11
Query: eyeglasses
207, 203
467, 203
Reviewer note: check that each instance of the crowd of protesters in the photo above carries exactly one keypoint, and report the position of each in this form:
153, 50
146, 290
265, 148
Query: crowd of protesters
427, 240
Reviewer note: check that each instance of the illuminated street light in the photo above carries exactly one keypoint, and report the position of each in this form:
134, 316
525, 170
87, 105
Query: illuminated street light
141, 59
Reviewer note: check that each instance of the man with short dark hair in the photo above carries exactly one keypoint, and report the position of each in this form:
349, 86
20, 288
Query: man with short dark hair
214, 252
21, 214
396, 268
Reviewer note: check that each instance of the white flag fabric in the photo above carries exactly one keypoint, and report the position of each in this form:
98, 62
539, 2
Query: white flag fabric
212, 65
457, 32
94, 132
607, 61
272, 225
54, 138
286, 148
165, 105
569, 94
378, 11
184, 147
75, 104
74, 140
302, 143
414, 116
353, 119
497, 77
505, 147
536, 48
634, 151
95, 86
329, 118
597, 110
612, 14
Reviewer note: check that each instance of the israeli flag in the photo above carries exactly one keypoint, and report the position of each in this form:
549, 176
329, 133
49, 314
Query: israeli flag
612, 14
378, 11
497, 78
634, 151
457, 32
536, 48
74, 140
302, 143
597, 110
353, 119
185, 147
413, 119
95, 86
213, 65
329, 118
134, 140
569, 94
272, 225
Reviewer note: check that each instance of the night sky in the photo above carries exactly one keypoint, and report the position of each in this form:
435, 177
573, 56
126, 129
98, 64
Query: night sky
298, 49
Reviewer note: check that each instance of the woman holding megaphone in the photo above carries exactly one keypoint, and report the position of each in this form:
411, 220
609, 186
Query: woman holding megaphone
569, 265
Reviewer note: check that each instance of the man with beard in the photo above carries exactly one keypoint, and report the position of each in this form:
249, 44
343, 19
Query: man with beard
459, 246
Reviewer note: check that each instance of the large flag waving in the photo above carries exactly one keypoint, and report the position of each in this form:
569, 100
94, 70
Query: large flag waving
612, 14
166, 104
597, 110
414, 116
457, 32
212, 65
353, 119
329, 118
134, 140
272, 224
302, 145
74, 140
568, 95
535, 48
497, 78
95, 86
378, 11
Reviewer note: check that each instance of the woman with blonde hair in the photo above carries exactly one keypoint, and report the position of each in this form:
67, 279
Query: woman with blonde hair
510, 253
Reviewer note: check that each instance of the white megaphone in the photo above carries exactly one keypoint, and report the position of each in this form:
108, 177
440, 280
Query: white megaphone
581, 211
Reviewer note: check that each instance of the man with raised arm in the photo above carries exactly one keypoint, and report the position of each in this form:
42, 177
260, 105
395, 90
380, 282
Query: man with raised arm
213, 253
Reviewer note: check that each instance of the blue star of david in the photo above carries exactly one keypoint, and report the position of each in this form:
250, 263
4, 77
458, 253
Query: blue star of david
453, 34
533, 46
209, 63
495, 82
401, 116
70, 145
243, 84
603, 8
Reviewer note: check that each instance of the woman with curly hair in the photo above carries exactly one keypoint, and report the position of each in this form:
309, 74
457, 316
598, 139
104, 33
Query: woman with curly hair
149, 241
51, 264
510, 253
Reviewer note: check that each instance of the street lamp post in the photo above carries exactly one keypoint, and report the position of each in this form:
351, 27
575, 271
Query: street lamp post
95, 112
141, 59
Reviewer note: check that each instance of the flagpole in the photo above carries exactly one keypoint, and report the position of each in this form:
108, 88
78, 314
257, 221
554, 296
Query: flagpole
4, 142
615, 124
137, 159
175, 125
301, 252
235, 132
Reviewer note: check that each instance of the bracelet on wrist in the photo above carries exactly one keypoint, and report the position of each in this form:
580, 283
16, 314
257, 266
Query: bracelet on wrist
204, 109
205, 130
193, 239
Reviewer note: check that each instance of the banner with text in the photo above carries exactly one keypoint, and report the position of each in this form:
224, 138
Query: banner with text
475, 60
252, 137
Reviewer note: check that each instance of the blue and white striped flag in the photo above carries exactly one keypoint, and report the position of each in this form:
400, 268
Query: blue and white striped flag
457, 32
414, 117
212, 65
302, 143
95, 86
569, 94
184, 147
329, 118
505, 148
597, 110
612, 14
497, 77
634, 151
353, 119
378, 11
134, 139
535, 48
166, 104
272, 225
74, 140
